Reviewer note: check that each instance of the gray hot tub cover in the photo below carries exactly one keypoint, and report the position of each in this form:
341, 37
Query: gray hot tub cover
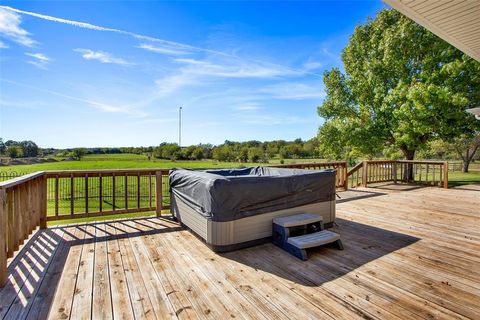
230, 194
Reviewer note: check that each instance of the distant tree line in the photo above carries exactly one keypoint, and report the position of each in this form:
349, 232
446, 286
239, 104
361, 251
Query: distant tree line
249, 151
19, 149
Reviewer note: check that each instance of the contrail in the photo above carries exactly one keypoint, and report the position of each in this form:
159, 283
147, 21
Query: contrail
90, 26
98, 105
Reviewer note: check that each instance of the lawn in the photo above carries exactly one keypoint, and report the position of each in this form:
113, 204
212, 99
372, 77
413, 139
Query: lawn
131, 161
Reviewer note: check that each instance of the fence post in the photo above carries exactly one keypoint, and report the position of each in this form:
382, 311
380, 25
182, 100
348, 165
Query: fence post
159, 193
365, 174
445, 174
3, 235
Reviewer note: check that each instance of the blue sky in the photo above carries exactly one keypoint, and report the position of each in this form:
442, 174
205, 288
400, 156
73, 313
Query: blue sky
115, 73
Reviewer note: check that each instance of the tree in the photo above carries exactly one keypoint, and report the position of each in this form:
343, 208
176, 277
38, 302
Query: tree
255, 154
29, 148
2, 146
466, 148
78, 153
14, 151
402, 86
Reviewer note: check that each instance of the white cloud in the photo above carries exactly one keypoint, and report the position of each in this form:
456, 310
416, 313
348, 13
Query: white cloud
167, 50
247, 107
196, 77
171, 83
239, 69
38, 64
312, 65
194, 72
40, 60
271, 120
103, 57
3, 45
157, 120
10, 28
39, 56
293, 91
189, 61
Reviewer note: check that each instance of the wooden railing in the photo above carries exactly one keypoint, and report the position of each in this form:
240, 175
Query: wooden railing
339, 166
79, 194
355, 176
23, 208
433, 173
28, 202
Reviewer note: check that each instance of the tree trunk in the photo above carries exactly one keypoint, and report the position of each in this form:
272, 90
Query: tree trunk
466, 163
408, 168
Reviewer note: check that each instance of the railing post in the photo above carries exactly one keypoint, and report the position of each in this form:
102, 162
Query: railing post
43, 202
159, 193
3, 235
365, 174
445, 174
395, 171
345, 177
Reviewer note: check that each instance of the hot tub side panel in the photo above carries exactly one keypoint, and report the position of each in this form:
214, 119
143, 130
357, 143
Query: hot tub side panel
235, 234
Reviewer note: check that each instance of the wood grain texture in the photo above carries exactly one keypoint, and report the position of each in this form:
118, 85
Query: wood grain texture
409, 253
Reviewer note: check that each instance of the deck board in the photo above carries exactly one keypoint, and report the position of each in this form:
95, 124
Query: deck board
409, 253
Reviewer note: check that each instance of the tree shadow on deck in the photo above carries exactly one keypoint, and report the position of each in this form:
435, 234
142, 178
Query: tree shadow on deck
401, 186
356, 194
363, 244
35, 271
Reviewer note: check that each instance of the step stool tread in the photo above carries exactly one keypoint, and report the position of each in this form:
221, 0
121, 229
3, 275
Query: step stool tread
314, 239
297, 220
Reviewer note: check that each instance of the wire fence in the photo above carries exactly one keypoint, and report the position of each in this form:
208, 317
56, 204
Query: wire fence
10, 175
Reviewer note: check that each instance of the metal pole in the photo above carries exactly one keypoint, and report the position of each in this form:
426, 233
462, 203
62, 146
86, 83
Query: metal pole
180, 127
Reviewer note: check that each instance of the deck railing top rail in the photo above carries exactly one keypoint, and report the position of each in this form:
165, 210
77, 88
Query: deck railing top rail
20, 180
104, 172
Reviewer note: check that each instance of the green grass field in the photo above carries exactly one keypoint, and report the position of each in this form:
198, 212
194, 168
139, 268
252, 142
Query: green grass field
132, 161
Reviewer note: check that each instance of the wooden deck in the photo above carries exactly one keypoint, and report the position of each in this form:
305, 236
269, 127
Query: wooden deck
408, 254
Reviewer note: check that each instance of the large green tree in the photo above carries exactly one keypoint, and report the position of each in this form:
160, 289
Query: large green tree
402, 86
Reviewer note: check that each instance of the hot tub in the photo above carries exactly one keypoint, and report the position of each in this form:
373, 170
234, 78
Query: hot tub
234, 208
